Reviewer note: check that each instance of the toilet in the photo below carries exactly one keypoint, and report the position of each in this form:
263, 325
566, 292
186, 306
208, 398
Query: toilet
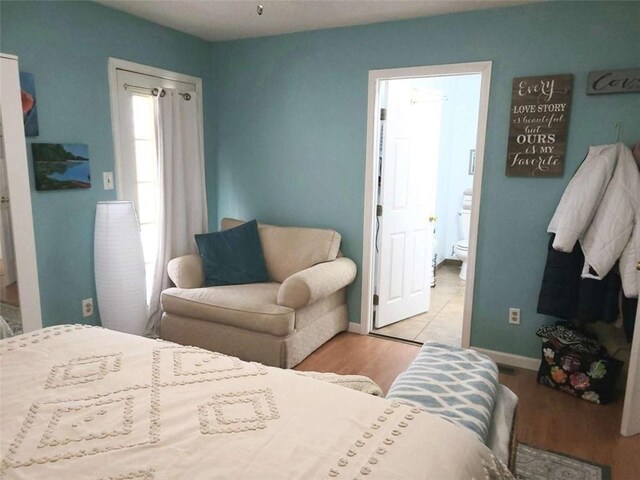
461, 248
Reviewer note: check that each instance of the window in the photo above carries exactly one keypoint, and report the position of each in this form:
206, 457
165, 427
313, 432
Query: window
147, 193
137, 148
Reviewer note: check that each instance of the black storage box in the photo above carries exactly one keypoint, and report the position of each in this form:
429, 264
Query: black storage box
588, 376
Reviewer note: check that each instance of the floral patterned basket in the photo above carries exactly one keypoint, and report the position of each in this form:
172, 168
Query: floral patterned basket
588, 376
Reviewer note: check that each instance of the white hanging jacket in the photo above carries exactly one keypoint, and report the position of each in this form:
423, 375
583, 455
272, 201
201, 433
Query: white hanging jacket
614, 232
601, 209
582, 197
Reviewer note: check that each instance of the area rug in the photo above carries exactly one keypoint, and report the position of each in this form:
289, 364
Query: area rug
536, 464
12, 316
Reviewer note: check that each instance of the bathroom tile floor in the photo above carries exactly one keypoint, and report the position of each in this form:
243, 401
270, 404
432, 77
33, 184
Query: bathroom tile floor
443, 322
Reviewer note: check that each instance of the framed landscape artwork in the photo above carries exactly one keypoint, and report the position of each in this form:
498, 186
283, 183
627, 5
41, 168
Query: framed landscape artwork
61, 166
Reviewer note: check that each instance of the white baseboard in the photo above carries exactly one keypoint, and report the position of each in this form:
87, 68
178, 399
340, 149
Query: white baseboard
511, 360
355, 327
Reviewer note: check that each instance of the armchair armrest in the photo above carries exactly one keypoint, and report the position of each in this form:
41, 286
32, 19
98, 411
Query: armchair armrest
307, 286
186, 271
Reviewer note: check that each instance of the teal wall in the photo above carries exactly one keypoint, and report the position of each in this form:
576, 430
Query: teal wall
291, 131
66, 46
458, 136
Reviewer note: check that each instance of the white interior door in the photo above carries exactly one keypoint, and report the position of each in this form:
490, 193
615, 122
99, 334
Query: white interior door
410, 148
631, 411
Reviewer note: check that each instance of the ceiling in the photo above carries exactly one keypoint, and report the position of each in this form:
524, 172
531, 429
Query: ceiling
218, 20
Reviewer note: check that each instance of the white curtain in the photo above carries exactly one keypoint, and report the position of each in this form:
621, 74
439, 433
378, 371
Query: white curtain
183, 201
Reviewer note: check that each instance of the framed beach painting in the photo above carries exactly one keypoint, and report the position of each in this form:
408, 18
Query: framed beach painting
61, 166
29, 106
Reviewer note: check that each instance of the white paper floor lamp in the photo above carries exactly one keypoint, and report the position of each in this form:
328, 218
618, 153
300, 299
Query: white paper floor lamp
119, 268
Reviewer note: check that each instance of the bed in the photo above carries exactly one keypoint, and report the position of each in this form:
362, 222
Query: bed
82, 402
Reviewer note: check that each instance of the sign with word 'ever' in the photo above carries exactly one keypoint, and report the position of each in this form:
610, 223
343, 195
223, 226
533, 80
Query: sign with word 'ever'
538, 126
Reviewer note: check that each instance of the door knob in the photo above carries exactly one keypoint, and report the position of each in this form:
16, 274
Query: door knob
433, 218
638, 266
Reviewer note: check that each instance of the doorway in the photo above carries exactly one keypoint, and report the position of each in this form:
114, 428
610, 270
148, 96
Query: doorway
424, 163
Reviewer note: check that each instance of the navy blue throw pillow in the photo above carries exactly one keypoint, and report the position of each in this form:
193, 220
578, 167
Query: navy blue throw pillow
232, 257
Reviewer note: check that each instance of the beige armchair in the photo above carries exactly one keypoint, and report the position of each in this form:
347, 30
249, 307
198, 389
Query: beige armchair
278, 323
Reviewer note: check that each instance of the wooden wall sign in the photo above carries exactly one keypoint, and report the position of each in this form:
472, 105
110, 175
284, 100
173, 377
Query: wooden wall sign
613, 81
538, 126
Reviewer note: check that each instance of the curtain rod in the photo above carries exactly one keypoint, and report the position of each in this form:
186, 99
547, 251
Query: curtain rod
157, 91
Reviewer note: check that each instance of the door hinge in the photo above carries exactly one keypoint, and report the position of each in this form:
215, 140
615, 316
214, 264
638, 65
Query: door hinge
383, 114
376, 300
378, 210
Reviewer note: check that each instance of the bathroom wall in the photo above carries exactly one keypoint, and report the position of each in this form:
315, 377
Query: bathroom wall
458, 127
66, 45
291, 132
458, 136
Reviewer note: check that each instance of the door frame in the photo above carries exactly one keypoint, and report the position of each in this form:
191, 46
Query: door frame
368, 247
630, 411
20, 194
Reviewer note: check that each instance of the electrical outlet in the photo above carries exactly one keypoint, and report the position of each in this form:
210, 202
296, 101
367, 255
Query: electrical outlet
514, 316
87, 307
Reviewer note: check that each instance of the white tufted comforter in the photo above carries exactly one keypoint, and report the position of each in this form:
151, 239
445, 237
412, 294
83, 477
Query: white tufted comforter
88, 403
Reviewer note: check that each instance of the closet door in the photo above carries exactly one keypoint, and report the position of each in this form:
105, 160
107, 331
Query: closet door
631, 412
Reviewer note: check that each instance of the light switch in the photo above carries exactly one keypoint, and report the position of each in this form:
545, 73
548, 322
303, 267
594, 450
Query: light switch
107, 178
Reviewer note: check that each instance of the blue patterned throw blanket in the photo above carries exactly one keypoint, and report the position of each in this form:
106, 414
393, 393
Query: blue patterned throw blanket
457, 384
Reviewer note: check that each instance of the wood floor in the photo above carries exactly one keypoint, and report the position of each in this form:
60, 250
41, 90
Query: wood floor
547, 419
353, 354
